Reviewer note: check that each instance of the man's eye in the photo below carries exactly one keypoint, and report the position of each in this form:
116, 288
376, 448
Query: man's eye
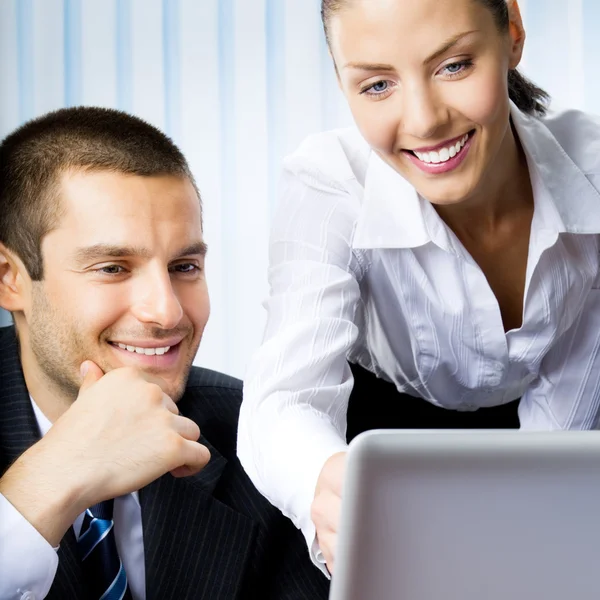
187, 268
111, 270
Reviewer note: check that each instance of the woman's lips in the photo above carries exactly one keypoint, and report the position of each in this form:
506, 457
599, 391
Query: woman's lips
445, 159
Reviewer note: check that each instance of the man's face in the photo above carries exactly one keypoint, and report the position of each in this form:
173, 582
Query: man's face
123, 282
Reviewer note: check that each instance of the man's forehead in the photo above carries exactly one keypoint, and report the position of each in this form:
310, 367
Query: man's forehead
113, 215
76, 186
109, 200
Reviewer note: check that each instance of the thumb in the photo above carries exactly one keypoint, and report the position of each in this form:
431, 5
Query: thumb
90, 373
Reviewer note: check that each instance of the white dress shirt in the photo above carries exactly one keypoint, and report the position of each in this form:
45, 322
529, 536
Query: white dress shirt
28, 563
363, 268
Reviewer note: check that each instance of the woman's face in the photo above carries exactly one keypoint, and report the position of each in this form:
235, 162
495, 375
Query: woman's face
426, 82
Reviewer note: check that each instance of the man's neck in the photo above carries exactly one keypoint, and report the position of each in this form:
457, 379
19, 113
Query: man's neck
50, 400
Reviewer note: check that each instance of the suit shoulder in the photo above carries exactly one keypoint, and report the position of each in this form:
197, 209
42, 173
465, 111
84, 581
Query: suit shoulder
7, 336
207, 378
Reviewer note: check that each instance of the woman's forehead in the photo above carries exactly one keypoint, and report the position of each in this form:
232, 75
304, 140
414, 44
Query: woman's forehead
371, 29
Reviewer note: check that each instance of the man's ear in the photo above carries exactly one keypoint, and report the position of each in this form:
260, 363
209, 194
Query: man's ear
13, 278
516, 33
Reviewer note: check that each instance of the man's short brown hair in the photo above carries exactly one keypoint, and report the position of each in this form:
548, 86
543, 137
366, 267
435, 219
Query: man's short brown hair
34, 157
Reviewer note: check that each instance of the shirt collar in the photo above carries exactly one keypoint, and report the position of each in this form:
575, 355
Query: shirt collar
394, 216
42, 421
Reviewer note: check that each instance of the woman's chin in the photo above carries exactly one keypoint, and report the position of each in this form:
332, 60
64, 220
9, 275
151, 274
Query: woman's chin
445, 195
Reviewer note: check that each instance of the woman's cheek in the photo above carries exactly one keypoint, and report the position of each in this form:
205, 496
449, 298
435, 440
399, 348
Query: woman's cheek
378, 124
482, 100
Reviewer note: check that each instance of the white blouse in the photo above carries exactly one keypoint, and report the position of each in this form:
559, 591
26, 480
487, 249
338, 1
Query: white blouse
362, 268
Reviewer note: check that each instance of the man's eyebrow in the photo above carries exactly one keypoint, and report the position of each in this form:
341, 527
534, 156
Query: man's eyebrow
97, 251
198, 248
448, 44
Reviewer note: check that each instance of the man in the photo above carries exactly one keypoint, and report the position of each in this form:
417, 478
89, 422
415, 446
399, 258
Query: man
102, 268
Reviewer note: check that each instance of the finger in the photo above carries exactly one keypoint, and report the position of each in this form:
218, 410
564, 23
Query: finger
90, 373
336, 473
327, 544
183, 471
169, 404
186, 428
325, 511
196, 457
159, 381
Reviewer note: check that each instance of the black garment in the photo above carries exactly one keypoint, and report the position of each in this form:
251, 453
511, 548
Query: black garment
376, 404
210, 536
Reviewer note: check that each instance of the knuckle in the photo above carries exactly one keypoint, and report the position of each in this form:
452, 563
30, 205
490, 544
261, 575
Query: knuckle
154, 393
176, 443
128, 372
194, 430
316, 511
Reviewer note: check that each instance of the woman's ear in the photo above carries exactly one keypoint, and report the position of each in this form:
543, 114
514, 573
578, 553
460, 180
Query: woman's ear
516, 33
12, 290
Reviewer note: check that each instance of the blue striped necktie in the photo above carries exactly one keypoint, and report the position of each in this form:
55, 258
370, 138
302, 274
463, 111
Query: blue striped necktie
103, 571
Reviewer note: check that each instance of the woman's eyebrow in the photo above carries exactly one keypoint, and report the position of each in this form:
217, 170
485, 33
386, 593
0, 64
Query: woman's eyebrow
447, 45
369, 66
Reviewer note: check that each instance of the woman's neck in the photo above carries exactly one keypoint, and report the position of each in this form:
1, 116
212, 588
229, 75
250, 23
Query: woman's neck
502, 197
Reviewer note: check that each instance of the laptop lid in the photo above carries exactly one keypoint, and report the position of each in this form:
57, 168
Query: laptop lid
470, 515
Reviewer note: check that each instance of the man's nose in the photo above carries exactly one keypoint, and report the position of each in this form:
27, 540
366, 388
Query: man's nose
158, 303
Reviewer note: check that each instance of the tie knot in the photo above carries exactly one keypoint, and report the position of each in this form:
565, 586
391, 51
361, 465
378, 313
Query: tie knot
103, 510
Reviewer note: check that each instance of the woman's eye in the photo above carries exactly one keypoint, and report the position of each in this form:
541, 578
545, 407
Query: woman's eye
457, 68
379, 87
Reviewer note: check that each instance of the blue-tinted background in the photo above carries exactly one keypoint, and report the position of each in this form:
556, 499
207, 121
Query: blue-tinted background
237, 84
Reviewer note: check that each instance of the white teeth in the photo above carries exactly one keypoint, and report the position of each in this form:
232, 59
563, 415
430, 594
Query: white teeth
146, 351
445, 154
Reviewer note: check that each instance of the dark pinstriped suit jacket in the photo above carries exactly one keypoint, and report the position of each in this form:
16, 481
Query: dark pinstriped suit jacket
210, 536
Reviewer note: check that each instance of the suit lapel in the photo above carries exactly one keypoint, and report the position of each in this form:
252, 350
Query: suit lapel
18, 426
194, 545
19, 431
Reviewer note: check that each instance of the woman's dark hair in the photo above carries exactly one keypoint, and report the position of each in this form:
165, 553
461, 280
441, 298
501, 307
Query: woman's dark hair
526, 95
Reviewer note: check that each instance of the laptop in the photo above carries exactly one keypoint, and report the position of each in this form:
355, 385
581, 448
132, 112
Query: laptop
470, 515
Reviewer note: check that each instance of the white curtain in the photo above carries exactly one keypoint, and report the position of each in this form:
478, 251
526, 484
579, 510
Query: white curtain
237, 84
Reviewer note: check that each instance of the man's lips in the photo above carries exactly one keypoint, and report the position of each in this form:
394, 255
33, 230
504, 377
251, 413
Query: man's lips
172, 341
162, 357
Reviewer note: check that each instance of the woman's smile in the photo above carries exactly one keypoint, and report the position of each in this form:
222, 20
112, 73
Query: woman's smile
442, 158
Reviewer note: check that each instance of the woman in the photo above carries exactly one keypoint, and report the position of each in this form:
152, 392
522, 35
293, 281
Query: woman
449, 248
